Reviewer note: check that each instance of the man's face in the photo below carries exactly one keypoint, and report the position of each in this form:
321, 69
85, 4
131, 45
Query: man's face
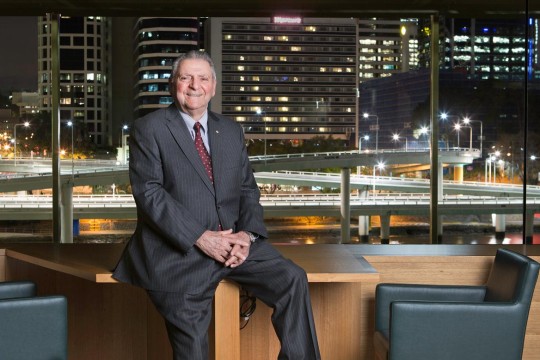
195, 86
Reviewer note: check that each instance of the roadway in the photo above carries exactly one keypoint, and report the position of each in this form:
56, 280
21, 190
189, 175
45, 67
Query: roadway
38, 207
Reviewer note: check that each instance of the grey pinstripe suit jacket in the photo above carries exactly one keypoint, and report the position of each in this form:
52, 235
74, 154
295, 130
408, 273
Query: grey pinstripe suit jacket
176, 202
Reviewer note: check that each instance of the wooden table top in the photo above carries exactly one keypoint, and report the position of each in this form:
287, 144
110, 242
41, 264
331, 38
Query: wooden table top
94, 262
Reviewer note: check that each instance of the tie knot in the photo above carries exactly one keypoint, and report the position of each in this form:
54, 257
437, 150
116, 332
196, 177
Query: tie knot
197, 127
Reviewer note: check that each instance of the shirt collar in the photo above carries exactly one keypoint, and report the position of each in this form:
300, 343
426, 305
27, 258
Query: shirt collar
190, 122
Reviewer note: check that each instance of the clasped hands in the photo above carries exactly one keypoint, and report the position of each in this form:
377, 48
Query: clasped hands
229, 248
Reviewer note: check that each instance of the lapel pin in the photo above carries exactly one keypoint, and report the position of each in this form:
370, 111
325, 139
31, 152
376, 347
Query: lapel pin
217, 132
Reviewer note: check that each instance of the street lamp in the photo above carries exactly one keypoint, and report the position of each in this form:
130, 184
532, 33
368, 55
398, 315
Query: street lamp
466, 121
71, 125
124, 151
424, 130
25, 124
458, 127
365, 138
367, 116
259, 112
395, 138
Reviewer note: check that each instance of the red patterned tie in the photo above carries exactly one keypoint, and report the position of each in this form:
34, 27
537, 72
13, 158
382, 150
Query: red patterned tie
203, 153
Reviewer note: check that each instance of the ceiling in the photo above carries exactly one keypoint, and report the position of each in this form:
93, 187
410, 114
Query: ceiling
244, 8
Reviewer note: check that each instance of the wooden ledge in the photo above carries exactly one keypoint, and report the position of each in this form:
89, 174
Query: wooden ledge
95, 262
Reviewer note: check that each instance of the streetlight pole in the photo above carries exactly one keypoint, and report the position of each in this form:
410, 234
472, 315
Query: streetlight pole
366, 138
259, 112
124, 152
457, 127
367, 116
25, 124
71, 125
466, 120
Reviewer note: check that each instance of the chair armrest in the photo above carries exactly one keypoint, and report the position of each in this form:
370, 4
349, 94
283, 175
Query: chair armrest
387, 293
33, 328
449, 330
17, 289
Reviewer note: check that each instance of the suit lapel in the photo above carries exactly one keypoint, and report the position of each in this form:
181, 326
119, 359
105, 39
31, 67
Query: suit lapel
181, 134
215, 138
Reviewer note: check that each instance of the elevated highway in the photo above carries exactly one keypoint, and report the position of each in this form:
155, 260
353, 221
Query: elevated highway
38, 207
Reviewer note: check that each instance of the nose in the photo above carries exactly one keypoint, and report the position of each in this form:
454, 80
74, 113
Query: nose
195, 83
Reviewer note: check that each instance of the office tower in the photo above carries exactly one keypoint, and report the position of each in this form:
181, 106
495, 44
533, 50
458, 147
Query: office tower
285, 77
158, 41
486, 48
84, 74
386, 47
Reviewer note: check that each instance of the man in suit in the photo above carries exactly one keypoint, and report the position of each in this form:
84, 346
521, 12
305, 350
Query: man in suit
199, 221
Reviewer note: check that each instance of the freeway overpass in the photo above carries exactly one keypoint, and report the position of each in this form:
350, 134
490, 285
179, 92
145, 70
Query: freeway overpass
38, 207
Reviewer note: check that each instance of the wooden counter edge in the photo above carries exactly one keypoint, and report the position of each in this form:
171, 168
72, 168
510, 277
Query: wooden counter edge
98, 277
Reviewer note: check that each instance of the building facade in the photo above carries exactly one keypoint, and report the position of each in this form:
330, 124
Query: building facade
286, 78
386, 47
84, 74
158, 42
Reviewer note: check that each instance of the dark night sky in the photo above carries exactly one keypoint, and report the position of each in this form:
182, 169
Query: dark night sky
18, 54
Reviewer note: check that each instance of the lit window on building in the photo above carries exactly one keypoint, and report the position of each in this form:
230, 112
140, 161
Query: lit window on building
268, 99
501, 40
256, 98
338, 70
238, 108
310, 28
242, 58
255, 88
284, 119
90, 77
283, 108
282, 129
268, 58
227, 37
295, 79
256, 78
240, 118
283, 98
267, 68
242, 78
283, 38
323, 129
282, 58
241, 88
296, 48
367, 42
295, 119
268, 38
240, 68
65, 101
349, 110
322, 69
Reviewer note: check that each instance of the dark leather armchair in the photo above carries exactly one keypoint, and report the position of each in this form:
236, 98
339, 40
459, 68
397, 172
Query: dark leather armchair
31, 327
421, 322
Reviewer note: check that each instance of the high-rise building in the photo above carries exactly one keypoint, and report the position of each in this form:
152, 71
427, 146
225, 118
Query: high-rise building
158, 41
386, 47
486, 48
286, 77
84, 74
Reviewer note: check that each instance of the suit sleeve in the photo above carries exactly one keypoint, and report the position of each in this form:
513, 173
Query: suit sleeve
155, 206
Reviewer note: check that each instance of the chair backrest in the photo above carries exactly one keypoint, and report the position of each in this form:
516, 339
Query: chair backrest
512, 279
33, 328
17, 289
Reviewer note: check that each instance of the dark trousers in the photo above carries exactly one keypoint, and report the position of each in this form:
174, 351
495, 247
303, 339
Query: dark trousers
277, 282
